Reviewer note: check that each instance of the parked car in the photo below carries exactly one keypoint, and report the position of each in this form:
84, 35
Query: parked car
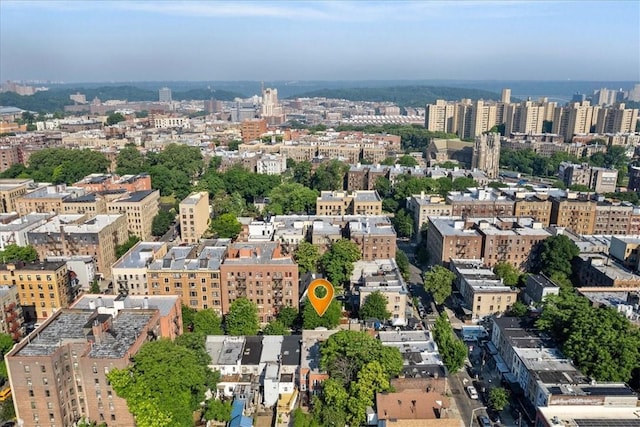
484, 421
494, 416
473, 393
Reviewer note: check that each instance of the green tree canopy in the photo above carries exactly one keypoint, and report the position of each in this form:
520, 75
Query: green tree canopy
498, 398
408, 161
439, 282
217, 410
337, 262
330, 319
242, 318
375, 307
162, 222
160, 392
124, 248
307, 256
226, 226
65, 165
276, 327
452, 349
293, 198
403, 223
556, 255
6, 344
329, 176
601, 342
188, 316
288, 316
508, 273
207, 322
402, 261
15, 253
114, 118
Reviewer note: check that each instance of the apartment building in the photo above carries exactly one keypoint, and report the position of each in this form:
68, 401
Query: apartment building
191, 273
98, 182
479, 203
510, 241
575, 118
441, 117
46, 199
452, 238
617, 119
59, 374
350, 153
422, 206
130, 271
599, 270
11, 316
600, 180
271, 164
537, 207
14, 229
10, 191
382, 275
44, 287
92, 204
68, 235
194, 217
483, 292
261, 273
362, 177
612, 217
9, 156
170, 307
376, 239
574, 212
344, 203
253, 129
139, 208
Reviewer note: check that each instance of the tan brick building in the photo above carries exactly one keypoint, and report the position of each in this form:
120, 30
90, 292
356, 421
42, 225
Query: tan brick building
612, 218
10, 191
261, 273
422, 206
510, 242
574, 213
194, 217
343, 203
536, 207
193, 275
11, 316
91, 204
376, 240
139, 208
479, 203
68, 235
44, 287
42, 200
60, 374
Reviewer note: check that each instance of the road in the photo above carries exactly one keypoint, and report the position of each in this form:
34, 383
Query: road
170, 234
466, 405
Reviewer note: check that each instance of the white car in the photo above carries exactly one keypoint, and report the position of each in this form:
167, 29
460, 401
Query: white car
473, 394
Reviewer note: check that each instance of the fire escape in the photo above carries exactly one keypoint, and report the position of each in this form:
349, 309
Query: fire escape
502, 250
242, 285
12, 316
277, 289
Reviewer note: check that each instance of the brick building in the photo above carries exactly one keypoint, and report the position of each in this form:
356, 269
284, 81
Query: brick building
11, 316
376, 240
139, 208
194, 217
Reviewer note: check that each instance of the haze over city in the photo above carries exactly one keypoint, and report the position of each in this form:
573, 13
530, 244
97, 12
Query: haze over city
143, 41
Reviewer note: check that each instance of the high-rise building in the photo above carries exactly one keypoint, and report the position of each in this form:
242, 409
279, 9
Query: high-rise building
617, 120
164, 95
271, 109
194, 216
506, 96
486, 154
526, 117
441, 117
140, 207
575, 118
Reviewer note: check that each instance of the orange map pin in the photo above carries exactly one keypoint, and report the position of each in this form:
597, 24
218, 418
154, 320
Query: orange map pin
320, 304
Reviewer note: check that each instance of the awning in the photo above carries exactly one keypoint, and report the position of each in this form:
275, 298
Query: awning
492, 348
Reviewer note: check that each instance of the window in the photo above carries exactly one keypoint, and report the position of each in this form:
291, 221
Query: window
43, 368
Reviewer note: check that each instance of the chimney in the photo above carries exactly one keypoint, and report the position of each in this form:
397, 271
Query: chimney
145, 303
92, 305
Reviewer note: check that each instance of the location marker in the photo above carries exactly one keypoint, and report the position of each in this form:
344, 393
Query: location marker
320, 304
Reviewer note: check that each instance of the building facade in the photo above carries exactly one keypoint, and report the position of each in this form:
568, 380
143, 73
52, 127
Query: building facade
194, 217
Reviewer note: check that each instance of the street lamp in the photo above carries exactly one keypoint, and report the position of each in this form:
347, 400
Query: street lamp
472, 412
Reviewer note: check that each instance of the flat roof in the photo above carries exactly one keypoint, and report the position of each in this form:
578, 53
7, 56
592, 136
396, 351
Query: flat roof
271, 348
136, 196
252, 350
163, 303
68, 222
290, 350
139, 255
224, 350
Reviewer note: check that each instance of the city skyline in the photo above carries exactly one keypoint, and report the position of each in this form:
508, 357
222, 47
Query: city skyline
197, 41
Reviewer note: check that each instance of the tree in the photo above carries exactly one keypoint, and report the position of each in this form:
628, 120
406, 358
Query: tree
375, 307
581, 188
276, 327
15, 253
508, 273
162, 222
307, 256
207, 322
217, 410
65, 165
226, 226
498, 398
160, 392
518, 309
402, 261
452, 349
292, 198
124, 248
403, 223
6, 344
408, 161
95, 287
439, 282
130, 161
287, 316
330, 319
242, 318
114, 118
84, 422
337, 262
556, 255
329, 176
188, 317
345, 353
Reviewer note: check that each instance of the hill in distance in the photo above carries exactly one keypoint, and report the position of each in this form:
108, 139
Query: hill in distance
404, 96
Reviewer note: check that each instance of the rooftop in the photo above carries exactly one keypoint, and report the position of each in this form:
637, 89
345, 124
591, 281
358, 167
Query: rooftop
290, 350
590, 416
136, 196
140, 255
70, 224
34, 266
186, 258
417, 405
191, 199
225, 350
107, 303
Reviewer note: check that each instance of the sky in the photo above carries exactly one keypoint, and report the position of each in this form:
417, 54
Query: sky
101, 41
